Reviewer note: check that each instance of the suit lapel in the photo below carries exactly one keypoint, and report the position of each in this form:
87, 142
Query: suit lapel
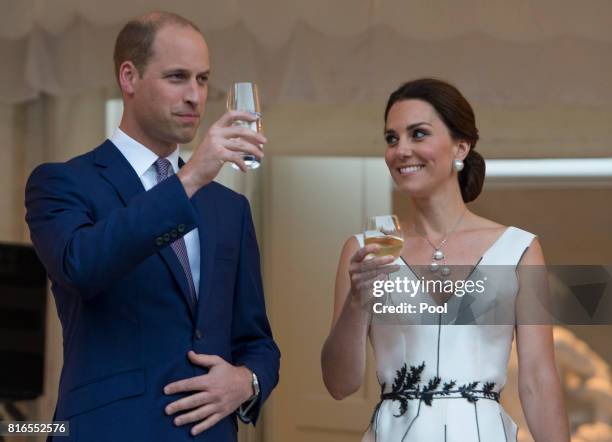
119, 173
178, 273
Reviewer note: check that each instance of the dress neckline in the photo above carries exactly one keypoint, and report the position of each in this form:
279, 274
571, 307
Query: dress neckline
484, 254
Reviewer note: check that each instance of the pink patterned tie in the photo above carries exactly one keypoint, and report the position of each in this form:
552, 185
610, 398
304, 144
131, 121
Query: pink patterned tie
162, 166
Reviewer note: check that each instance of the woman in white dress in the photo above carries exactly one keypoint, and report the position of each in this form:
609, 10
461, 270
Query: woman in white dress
441, 381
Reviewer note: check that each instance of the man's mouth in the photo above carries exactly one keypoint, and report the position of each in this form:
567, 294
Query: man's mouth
188, 117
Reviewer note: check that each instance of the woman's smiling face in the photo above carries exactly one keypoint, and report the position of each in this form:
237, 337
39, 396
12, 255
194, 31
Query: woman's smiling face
420, 149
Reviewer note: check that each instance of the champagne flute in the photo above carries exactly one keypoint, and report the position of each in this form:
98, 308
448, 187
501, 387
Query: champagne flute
245, 97
384, 230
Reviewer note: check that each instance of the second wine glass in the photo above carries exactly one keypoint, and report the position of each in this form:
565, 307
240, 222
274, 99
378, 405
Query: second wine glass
386, 232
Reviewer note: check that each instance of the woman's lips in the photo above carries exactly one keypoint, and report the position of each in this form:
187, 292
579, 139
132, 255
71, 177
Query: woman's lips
410, 170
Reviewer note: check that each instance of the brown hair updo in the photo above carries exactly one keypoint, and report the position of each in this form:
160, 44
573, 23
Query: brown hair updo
458, 116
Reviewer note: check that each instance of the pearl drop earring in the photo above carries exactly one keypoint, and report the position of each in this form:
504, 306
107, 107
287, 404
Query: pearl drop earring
458, 165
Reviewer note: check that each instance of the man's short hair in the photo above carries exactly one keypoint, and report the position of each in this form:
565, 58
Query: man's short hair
135, 40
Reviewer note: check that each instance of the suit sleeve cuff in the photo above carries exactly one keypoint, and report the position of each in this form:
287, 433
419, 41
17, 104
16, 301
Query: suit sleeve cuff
246, 411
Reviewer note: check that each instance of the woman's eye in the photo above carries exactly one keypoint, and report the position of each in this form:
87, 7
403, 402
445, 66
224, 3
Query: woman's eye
390, 139
418, 134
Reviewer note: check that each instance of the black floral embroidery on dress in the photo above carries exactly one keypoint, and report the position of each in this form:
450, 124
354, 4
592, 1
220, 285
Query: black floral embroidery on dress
488, 392
407, 386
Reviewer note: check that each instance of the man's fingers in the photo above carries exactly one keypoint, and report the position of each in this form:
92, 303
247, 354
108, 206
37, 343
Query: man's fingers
228, 118
188, 403
206, 424
243, 132
204, 360
238, 160
185, 385
241, 145
196, 415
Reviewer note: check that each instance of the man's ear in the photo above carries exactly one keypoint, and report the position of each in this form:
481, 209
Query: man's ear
128, 76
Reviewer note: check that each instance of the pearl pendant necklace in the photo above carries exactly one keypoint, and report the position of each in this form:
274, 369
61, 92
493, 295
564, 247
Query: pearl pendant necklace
438, 254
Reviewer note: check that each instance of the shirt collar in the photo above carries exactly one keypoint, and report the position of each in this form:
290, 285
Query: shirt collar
138, 155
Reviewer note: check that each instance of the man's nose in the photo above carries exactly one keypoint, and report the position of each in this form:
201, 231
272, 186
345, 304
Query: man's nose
192, 93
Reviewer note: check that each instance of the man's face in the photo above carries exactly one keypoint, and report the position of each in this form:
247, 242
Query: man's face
169, 99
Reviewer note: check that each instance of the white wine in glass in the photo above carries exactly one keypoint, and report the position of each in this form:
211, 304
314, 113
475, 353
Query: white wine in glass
386, 232
245, 97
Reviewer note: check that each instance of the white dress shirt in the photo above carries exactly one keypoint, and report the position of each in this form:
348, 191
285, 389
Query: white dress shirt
143, 161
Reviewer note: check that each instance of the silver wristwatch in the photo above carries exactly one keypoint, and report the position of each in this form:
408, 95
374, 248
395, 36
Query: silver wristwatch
255, 384
244, 409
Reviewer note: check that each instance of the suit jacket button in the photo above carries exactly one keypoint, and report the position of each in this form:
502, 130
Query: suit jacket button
198, 334
174, 233
181, 228
167, 237
159, 241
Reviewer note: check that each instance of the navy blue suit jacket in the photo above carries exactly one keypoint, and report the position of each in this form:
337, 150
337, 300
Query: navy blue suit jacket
122, 296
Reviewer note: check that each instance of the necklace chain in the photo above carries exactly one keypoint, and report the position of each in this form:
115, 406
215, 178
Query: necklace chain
438, 254
447, 235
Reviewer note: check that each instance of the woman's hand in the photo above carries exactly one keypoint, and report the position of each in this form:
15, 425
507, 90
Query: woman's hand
343, 357
364, 270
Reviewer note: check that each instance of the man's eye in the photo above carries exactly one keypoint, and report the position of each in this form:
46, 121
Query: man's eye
390, 139
176, 76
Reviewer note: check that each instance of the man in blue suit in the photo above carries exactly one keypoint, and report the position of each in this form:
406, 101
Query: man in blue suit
154, 267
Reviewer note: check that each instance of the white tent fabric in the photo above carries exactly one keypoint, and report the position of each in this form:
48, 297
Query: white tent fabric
507, 52
273, 21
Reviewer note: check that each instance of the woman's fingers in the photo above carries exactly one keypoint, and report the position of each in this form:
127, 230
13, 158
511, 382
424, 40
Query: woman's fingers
372, 274
361, 254
370, 264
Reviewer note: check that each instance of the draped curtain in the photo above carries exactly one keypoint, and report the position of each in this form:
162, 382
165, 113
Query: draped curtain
512, 52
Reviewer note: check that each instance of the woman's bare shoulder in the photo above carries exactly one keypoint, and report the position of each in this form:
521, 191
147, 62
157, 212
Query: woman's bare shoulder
351, 245
479, 223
